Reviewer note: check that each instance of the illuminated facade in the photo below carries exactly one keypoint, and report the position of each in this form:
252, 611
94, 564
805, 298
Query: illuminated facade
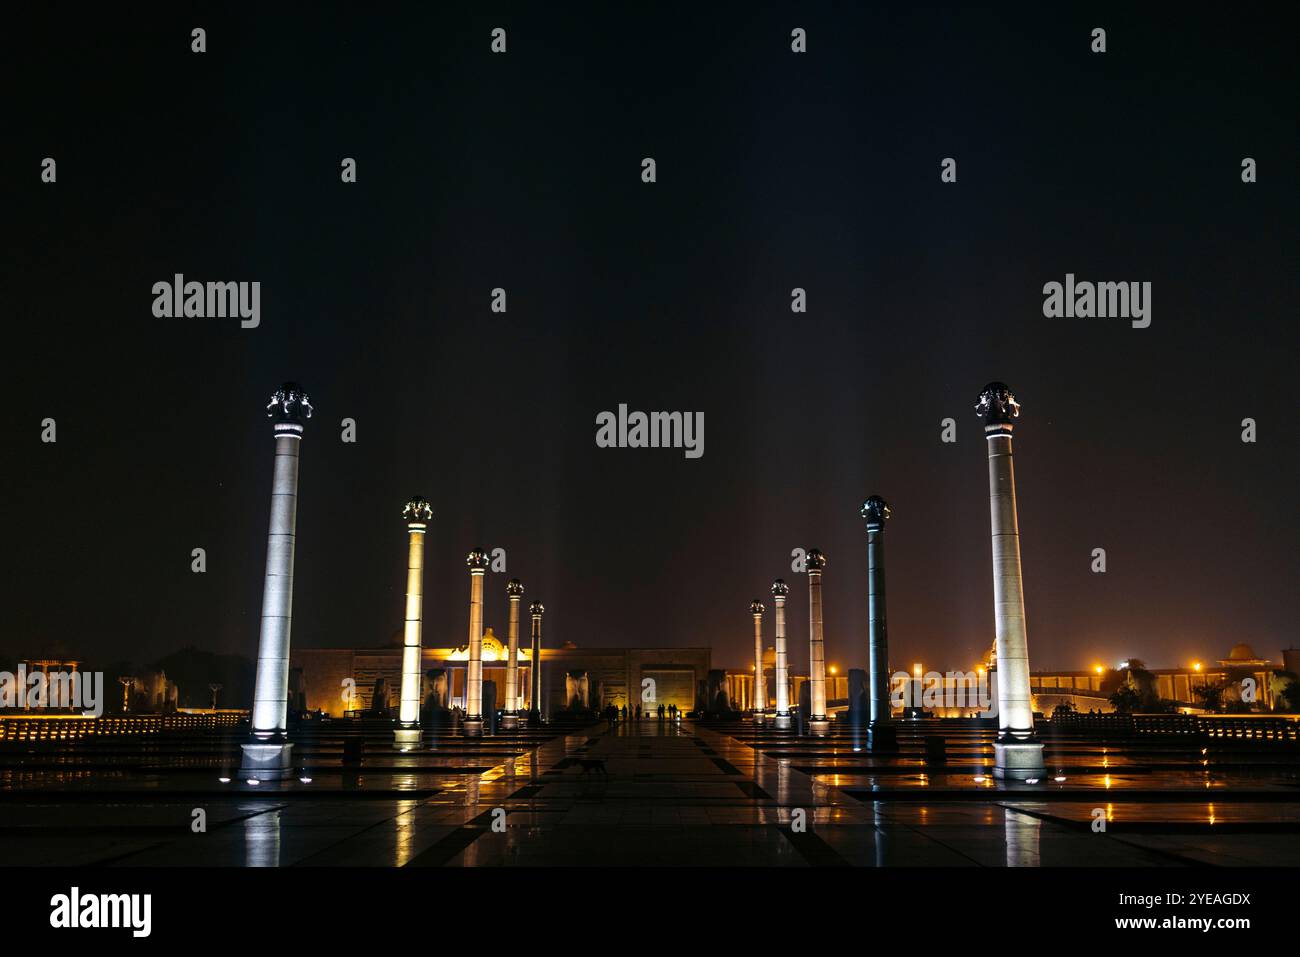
615, 676
1089, 690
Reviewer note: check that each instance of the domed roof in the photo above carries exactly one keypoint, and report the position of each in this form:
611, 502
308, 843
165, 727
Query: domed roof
1242, 652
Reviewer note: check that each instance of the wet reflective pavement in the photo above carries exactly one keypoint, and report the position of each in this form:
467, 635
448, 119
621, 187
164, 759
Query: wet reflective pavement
674, 794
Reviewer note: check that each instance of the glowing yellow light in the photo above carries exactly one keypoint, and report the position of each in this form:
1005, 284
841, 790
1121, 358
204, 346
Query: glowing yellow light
916, 670
1196, 666
1098, 669
833, 669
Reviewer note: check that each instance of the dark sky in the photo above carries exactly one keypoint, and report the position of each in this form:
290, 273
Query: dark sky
774, 171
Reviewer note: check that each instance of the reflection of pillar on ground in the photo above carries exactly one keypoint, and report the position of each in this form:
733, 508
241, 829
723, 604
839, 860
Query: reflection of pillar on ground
1017, 754
477, 562
818, 723
1023, 837
782, 670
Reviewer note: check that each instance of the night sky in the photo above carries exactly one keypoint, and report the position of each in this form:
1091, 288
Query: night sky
775, 170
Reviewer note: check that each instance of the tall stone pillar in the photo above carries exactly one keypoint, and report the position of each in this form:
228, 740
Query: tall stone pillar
269, 755
536, 610
881, 735
781, 675
1017, 753
818, 723
760, 686
417, 514
477, 562
510, 719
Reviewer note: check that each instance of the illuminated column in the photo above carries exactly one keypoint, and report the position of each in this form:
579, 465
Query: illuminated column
760, 691
1017, 754
536, 610
880, 730
417, 515
477, 562
782, 677
269, 755
818, 724
510, 720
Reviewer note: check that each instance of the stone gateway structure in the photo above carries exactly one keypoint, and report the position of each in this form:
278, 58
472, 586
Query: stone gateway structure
647, 677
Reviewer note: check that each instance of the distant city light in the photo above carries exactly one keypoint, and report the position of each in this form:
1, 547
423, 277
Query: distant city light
1099, 669
1196, 666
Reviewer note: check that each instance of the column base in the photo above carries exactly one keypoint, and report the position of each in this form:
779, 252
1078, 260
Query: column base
267, 762
882, 737
473, 727
1018, 760
760, 719
782, 721
819, 727
509, 721
408, 739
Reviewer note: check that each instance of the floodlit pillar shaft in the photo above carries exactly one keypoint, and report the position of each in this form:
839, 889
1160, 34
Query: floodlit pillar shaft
512, 664
474, 669
880, 735
816, 646
877, 635
409, 711
536, 610
1017, 755
1015, 712
271, 691
510, 718
417, 514
268, 754
781, 674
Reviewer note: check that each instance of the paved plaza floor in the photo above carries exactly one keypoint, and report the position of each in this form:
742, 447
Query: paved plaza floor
675, 794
